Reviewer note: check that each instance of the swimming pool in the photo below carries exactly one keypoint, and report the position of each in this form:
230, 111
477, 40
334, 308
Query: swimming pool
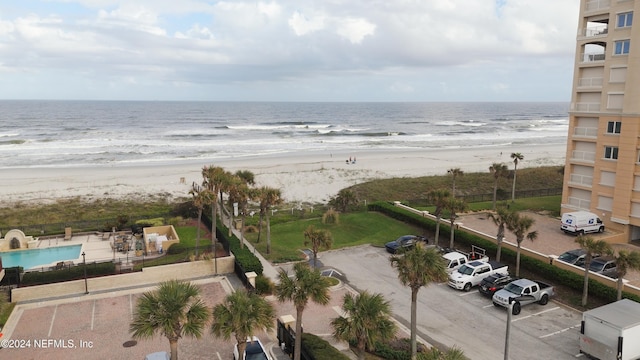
39, 257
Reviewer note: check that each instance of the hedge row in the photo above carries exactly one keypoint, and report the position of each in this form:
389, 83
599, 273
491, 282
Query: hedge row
541, 268
318, 349
244, 257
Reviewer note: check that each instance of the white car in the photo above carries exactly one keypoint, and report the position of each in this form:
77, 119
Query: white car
253, 351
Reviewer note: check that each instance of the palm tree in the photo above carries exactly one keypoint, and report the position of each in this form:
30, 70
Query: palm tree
516, 157
344, 200
318, 238
213, 177
367, 321
416, 268
498, 170
268, 197
306, 284
500, 218
591, 246
439, 199
201, 197
626, 260
454, 206
242, 314
241, 194
455, 172
173, 310
519, 225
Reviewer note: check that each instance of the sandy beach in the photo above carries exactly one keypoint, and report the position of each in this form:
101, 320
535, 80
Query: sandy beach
302, 177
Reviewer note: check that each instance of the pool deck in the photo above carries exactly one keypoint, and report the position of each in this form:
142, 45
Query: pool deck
93, 246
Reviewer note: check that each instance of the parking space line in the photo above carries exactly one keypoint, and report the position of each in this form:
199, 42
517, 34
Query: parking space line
559, 331
488, 306
53, 319
468, 293
219, 357
93, 314
536, 314
131, 306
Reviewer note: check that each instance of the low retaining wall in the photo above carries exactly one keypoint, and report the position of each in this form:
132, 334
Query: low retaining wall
148, 276
531, 253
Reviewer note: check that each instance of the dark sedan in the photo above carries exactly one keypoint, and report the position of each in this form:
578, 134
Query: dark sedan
403, 242
493, 283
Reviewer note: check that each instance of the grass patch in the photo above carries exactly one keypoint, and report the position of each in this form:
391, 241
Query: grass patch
6, 312
359, 228
548, 204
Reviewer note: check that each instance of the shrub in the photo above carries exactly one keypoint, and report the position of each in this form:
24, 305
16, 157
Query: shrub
151, 222
72, 273
264, 285
319, 349
331, 217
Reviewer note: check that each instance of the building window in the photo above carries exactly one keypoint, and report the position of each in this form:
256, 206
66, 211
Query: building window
613, 127
625, 19
622, 47
611, 152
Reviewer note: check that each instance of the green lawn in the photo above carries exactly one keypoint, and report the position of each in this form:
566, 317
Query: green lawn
359, 228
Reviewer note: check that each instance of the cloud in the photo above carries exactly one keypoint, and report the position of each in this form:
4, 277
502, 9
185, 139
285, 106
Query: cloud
309, 46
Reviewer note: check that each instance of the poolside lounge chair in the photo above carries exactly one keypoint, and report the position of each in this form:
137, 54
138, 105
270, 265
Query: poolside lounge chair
67, 233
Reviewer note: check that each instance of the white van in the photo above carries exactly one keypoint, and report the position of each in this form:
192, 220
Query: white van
581, 222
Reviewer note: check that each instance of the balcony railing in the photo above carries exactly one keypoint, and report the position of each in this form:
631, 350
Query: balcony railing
595, 31
590, 82
593, 5
579, 203
593, 57
585, 131
589, 156
581, 179
587, 107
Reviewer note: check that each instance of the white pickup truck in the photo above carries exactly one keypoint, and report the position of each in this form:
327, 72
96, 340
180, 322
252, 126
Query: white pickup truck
472, 273
526, 292
454, 259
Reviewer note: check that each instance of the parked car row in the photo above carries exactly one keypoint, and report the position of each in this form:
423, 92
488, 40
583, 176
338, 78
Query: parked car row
603, 265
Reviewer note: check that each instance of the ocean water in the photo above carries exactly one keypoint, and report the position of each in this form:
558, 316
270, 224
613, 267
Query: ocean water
80, 133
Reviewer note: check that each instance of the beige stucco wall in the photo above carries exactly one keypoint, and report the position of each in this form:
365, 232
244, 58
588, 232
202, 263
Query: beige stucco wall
148, 276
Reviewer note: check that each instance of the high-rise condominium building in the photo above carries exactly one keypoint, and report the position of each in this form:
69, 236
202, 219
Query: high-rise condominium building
602, 170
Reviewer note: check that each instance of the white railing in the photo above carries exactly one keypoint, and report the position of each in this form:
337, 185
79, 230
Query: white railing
581, 179
588, 107
595, 31
588, 156
580, 203
590, 82
585, 131
593, 5
592, 57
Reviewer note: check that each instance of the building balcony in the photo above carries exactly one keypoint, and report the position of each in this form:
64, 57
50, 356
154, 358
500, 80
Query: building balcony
584, 156
593, 57
593, 82
583, 180
579, 203
590, 132
598, 31
586, 107
596, 5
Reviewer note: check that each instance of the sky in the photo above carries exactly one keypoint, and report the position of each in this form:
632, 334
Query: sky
288, 50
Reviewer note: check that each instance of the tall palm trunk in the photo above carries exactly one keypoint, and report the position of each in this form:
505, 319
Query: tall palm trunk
268, 232
414, 307
173, 346
198, 230
619, 285
585, 286
298, 342
518, 260
437, 230
513, 189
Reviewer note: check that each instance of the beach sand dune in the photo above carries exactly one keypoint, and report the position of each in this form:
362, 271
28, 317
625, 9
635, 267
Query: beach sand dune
302, 177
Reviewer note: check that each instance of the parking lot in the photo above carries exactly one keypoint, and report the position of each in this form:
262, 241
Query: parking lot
467, 320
